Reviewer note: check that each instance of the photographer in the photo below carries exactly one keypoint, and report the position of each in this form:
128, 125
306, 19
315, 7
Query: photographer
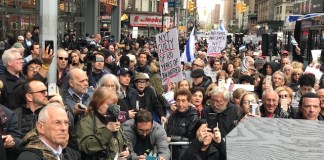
208, 144
99, 135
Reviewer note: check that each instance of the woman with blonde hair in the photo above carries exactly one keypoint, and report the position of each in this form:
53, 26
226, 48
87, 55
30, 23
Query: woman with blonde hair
294, 78
285, 98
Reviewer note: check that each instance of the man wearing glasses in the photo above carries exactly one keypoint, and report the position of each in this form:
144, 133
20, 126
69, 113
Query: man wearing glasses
50, 135
145, 136
62, 62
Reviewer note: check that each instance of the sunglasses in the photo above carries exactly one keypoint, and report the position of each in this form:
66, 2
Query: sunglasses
61, 58
283, 96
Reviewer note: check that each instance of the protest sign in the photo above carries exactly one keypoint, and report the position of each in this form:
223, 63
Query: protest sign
169, 56
217, 42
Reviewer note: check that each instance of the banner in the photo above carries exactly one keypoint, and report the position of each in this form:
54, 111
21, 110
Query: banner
169, 56
217, 42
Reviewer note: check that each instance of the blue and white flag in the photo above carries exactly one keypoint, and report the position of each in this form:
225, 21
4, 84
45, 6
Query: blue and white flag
189, 52
221, 26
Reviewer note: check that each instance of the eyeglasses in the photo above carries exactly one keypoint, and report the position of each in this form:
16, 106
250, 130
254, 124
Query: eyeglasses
61, 58
34, 68
211, 101
41, 91
59, 123
283, 96
196, 65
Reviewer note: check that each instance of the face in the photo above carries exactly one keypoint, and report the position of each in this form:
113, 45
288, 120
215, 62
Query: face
256, 81
111, 85
124, 80
99, 64
305, 89
184, 85
237, 63
32, 69
36, 49
197, 98
247, 100
141, 84
278, 80
75, 58
132, 64
142, 59
287, 71
197, 80
16, 64
218, 103
284, 95
79, 84
28, 36
268, 70
111, 48
144, 129
55, 129
38, 93
310, 108
296, 76
230, 68
270, 101
284, 62
182, 103
320, 93
217, 66
197, 65
62, 60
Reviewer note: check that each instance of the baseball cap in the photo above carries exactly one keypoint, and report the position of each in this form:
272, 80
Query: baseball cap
284, 52
123, 71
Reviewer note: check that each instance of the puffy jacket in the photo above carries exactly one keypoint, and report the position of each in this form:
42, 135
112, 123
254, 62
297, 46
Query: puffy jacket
95, 139
226, 120
26, 119
206, 82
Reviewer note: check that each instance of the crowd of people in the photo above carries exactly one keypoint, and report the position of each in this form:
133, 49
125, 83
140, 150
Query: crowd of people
111, 103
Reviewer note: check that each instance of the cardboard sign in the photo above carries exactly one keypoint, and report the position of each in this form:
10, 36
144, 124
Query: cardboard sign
217, 42
169, 56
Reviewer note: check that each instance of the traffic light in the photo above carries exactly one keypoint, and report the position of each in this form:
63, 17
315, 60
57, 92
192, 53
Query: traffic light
243, 7
191, 6
62, 6
238, 6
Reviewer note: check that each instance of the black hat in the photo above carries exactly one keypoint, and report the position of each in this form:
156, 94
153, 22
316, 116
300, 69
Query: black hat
107, 53
246, 78
197, 73
123, 71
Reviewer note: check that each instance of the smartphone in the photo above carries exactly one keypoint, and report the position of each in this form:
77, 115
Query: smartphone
284, 104
268, 80
50, 44
254, 109
212, 120
151, 158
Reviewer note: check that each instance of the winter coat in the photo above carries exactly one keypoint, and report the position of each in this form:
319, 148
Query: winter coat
278, 113
151, 102
226, 120
26, 119
156, 82
205, 83
157, 136
214, 151
95, 139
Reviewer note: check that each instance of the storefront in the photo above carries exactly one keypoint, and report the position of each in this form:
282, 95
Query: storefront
147, 25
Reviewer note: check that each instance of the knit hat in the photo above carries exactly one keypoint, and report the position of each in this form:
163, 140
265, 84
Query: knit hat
258, 62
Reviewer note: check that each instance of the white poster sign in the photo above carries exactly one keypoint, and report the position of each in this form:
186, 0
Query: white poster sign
135, 32
169, 56
217, 42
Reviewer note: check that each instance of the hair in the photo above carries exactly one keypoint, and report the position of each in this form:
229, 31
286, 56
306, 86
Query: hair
282, 75
237, 94
178, 84
100, 96
307, 95
183, 92
248, 93
143, 115
296, 65
269, 91
115, 80
307, 80
154, 67
212, 62
221, 73
139, 54
33, 61
287, 89
222, 90
76, 52
8, 55
132, 57
239, 60
200, 60
32, 46
43, 114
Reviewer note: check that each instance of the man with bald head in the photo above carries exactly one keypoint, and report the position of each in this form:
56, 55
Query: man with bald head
96, 40
270, 108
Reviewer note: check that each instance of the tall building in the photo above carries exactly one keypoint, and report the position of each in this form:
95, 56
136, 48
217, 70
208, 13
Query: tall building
230, 20
216, 16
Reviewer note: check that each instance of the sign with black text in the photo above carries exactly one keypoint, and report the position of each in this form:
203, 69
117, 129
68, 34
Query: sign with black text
217, 42
169, 56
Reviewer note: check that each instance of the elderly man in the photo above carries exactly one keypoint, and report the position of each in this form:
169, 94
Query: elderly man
221, 113
12, 77
50, 135
270, 108
144, 135
309, 107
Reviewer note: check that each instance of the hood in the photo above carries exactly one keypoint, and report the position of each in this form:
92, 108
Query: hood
274, 65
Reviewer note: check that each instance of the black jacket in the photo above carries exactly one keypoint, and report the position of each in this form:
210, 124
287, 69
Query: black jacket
206, 82
26, 119
130, 97
227, 120
214, 151
151, 102
144, 69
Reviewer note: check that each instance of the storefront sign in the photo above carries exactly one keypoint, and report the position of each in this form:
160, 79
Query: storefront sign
145, 20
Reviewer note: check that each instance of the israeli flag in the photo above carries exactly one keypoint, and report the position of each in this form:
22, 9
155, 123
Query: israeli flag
189, 52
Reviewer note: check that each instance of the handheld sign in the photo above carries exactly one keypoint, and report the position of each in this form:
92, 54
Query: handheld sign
169, 56
217, 42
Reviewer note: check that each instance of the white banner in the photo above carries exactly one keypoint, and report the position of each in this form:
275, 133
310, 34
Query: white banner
135, 32
217, 42
169, 56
